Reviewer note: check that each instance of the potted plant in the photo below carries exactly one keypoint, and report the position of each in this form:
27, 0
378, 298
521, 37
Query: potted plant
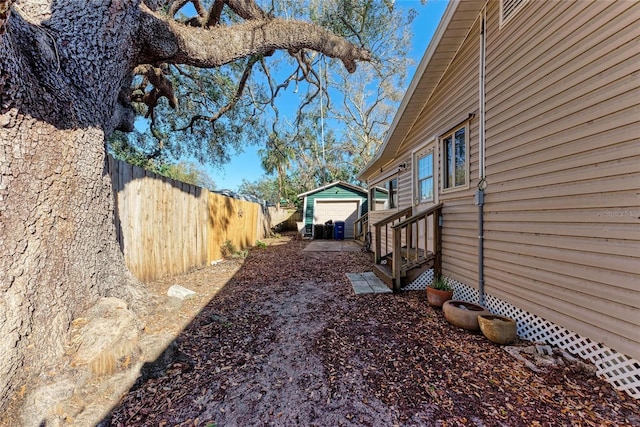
439, 291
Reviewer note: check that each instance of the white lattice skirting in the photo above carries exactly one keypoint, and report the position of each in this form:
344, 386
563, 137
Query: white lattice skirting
620, 370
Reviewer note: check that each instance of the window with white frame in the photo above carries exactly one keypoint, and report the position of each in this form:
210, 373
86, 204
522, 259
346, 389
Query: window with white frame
455, 159
384, 195
424, 177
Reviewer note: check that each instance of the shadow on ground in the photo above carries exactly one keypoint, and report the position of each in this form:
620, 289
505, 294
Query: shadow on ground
286, 342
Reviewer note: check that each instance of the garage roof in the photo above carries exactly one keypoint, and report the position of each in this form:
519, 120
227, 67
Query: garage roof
333, 184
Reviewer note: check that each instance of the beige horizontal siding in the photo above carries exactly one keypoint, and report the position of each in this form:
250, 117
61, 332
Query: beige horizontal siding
619, 128
544, 60
549, 301
460, 214
573, 113
543, 273
616, 233
405, 197
577, 216
454, 98
560, 197
562, 207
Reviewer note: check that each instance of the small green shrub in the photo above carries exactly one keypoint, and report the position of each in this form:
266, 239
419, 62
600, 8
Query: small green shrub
442, 284
260, 244
228, 249
241, 254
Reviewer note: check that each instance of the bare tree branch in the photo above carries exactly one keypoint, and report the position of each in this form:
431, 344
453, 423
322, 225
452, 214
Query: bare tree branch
240, 89
163, 40
247, 9
162, 87
215, 12
176, 6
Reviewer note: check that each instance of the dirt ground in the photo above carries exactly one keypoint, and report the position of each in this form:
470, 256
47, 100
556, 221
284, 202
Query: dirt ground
280, 339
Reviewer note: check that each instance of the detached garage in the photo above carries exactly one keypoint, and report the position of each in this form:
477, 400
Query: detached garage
338, 201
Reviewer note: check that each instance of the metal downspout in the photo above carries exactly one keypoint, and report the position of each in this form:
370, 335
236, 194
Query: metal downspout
480, 203
482, 184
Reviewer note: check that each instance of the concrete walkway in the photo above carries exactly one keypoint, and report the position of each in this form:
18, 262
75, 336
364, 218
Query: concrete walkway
367, 283
332, 246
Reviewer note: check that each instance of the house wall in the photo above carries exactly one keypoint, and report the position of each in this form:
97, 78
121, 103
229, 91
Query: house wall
453, 102
562, 207
562, 160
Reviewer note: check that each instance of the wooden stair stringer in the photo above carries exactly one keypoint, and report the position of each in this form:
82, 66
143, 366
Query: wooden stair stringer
408, 275
383, 271
415, 272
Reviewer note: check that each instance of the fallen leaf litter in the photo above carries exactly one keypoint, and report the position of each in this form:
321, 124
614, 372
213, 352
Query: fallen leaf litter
286, 342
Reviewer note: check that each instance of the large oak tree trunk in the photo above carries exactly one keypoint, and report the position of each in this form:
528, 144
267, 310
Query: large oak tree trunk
59, 251
65, 75
58, 248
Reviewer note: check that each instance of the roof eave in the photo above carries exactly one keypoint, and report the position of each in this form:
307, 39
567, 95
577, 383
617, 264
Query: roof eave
324, 187
379, 160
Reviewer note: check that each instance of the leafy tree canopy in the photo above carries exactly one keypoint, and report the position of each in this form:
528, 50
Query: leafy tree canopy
314, 120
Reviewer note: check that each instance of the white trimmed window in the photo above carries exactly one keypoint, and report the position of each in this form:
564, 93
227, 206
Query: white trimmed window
384, 195
455, 159
424, 177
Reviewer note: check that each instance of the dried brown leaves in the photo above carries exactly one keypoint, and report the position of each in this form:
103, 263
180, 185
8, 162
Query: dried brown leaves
286, 342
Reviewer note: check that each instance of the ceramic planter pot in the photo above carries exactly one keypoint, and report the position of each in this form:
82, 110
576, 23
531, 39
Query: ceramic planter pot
463, 314
436, 297
498, 329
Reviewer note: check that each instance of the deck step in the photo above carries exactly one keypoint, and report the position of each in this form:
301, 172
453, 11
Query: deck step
383, 271
409, 273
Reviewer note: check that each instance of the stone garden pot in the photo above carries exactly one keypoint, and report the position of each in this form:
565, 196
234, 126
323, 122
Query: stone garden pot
498, 329
463, 314
436, 297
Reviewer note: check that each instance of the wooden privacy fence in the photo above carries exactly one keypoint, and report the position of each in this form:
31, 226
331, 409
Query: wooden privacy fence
167, 227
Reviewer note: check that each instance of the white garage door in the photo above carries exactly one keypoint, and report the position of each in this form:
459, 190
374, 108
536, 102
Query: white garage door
343, 210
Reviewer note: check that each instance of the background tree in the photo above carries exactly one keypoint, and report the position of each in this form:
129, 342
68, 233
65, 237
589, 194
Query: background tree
300, 97
269, 190
276, 159
342, 117
69, 72
185, 171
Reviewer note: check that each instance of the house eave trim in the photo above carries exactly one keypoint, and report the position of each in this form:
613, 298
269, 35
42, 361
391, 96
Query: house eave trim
431, 49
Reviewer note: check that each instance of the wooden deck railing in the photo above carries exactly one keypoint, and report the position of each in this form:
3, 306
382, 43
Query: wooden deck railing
361, 227
413, 245
385, 245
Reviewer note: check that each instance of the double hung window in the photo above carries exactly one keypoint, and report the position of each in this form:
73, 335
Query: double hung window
455, 159
424, 178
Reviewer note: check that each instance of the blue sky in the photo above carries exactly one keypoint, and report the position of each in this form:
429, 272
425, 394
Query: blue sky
247, 166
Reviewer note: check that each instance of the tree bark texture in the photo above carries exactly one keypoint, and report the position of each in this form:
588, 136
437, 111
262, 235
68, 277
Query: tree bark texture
65, 74
60, 80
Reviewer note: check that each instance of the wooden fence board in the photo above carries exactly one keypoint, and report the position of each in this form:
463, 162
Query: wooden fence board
166, 227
